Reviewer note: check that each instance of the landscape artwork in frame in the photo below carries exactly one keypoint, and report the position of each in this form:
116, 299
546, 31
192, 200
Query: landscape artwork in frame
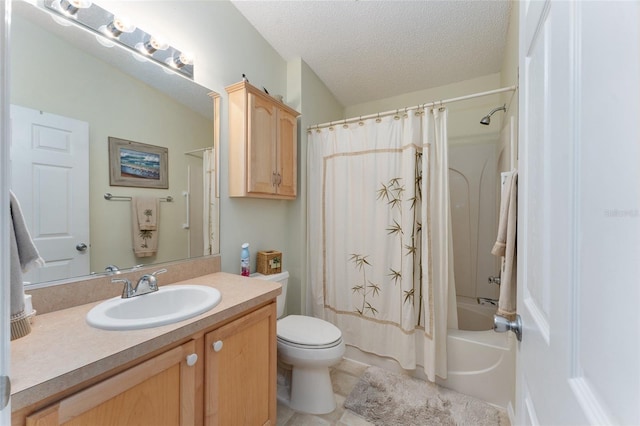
137, 164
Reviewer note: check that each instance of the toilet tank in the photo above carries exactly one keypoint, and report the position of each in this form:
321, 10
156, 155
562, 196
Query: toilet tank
282, 278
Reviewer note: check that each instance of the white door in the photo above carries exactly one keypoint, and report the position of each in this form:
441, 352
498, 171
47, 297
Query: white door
50, 178
579, 213
5, 335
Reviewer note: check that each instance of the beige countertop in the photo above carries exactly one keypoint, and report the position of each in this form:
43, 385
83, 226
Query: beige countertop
63, 351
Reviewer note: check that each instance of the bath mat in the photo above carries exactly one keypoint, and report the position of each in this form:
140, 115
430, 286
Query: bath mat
385, 398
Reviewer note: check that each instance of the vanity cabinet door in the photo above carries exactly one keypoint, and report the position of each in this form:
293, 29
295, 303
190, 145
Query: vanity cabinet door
160, 391
240, 371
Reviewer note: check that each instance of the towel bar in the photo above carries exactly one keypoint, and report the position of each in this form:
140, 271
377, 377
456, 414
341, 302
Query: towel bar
110, 197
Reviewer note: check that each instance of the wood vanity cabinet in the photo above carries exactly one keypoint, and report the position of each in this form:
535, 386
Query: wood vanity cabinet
233, 382
240, 371
159, 391
262, 144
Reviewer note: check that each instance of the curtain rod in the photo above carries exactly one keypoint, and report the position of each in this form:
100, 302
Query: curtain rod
427, 105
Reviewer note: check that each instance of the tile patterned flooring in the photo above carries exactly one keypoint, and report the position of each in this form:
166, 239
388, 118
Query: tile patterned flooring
344, 377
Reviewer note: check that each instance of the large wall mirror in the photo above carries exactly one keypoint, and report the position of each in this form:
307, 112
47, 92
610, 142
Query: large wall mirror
69, 95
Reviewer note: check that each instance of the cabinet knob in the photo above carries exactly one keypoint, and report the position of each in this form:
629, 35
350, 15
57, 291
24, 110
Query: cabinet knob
192, 359
217, 345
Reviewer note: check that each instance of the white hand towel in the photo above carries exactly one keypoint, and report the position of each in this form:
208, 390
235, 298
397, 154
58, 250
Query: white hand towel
505, 245
23, 255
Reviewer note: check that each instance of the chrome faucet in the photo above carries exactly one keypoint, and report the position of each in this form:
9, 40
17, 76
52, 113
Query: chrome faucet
486, 301
112, 269
147, 283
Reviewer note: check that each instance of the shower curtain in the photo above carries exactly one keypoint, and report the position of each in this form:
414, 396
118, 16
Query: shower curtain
380, 251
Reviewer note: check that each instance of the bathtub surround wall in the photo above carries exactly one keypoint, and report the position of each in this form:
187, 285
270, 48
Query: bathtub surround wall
473, 182
380, 235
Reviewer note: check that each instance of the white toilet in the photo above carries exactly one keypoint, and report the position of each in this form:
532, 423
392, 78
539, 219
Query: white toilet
308, 346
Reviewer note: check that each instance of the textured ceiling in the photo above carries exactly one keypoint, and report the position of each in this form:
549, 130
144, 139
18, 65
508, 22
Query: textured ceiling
368, 50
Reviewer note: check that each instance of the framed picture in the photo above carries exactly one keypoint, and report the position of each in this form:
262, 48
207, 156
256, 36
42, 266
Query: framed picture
137, 164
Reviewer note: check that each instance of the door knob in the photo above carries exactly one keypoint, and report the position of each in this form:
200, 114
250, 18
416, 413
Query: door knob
217, 345
501, 325
81, 247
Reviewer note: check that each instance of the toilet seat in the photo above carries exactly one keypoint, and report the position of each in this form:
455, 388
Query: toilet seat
308, 332
301, 346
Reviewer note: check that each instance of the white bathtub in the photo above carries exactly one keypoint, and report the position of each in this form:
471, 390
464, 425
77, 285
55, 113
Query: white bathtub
473, 316
480, 362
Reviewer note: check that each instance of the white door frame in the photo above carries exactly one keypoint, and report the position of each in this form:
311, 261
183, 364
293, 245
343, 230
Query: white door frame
5, 333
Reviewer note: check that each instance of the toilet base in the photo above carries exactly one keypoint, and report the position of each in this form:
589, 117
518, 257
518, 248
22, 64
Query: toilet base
310, 391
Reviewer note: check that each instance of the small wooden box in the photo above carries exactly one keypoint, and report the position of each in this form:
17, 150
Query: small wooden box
269, 262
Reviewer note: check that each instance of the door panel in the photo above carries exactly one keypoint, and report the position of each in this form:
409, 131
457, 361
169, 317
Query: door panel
261, 145
50, 177
578, 223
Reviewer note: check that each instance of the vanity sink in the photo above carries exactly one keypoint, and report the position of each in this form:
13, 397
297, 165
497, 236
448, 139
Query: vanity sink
170, 304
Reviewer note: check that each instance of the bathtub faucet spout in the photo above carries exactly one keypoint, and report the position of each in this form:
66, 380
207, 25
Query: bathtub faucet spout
486, 301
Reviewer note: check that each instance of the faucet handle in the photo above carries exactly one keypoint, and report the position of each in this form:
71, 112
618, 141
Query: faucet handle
159, 271
127, 291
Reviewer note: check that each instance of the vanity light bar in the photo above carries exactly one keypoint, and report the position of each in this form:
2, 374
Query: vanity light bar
118, 30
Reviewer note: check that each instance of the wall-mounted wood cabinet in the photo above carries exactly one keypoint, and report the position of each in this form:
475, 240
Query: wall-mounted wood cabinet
263, 140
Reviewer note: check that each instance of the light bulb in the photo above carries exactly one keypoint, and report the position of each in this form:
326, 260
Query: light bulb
71, 7
117, 26
152, 45
181, 60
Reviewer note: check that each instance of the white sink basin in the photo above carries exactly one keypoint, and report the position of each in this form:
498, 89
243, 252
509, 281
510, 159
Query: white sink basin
170, 304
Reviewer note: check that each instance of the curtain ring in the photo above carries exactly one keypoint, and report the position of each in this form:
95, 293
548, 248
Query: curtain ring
344, 124
396, 117
331, 126
405, 113
378, 120
360, 123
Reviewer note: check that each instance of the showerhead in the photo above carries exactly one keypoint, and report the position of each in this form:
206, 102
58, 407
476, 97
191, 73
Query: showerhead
486, 120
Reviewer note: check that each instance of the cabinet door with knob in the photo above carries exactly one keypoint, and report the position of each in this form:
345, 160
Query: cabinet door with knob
263, 140
240, 371
159, 391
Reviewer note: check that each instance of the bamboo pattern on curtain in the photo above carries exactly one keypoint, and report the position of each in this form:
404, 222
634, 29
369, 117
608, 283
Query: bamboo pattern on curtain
370, 243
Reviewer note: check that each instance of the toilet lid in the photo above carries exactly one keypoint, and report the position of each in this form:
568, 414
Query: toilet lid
307, 331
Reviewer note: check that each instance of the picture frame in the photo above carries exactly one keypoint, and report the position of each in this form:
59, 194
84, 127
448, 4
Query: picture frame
138, 164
